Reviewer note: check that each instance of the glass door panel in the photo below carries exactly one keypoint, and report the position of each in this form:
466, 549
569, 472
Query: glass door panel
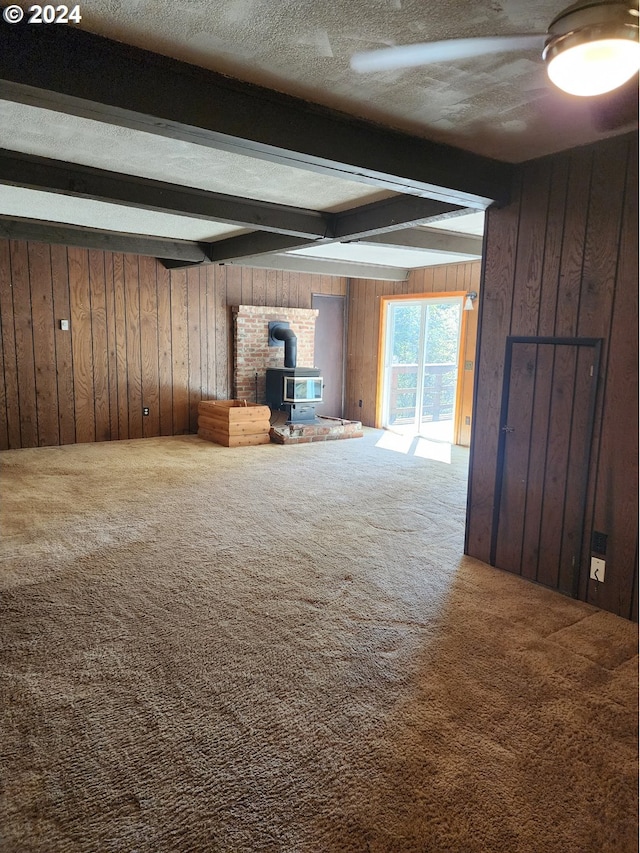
422, 342
440, 367
404, 340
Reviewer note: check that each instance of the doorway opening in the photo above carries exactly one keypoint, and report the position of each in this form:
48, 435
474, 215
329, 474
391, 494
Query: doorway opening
329, 351
421, 360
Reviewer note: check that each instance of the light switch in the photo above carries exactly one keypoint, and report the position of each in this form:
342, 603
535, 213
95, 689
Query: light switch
64, 325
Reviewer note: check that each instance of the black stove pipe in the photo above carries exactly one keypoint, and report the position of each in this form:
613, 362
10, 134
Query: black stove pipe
282, 333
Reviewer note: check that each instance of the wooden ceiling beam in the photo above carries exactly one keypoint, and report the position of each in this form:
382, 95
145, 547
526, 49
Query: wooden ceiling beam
55, 176
354, 224
273, 227
181, 252
383, 217
429, 239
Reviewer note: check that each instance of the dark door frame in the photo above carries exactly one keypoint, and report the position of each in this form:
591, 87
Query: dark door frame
596, 344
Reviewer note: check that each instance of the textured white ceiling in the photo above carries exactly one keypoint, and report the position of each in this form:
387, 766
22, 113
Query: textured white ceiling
54, 207
32, 130
500, 106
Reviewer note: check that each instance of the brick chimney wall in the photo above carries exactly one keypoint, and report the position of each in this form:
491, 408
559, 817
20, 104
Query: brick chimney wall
252, 353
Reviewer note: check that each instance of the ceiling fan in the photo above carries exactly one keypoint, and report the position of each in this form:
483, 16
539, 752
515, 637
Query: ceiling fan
591, 48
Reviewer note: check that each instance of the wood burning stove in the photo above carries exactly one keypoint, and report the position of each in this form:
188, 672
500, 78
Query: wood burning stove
296, 391
291, 389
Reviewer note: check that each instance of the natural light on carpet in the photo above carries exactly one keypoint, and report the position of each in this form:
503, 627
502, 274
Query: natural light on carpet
415, 445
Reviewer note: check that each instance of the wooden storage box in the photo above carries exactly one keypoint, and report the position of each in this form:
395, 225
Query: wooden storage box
234, 423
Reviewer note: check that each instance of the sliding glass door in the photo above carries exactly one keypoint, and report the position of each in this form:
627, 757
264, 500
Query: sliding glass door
421, 360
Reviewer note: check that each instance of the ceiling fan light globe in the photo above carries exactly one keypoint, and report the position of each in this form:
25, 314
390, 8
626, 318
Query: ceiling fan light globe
584, 65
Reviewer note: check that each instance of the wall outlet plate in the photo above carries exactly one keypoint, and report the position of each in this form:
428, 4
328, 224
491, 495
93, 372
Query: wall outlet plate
597, 569
64, 325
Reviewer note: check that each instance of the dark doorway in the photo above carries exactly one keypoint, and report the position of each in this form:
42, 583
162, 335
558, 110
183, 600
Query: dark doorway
329, 352
546, 425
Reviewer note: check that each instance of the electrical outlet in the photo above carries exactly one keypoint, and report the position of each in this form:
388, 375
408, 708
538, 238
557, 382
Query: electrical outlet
360, 403
64, 325
597, 569
145, 411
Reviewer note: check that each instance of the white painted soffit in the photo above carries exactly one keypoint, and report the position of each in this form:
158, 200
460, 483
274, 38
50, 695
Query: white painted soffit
466, 223
288, 262
45, 133
54, 207
383, 255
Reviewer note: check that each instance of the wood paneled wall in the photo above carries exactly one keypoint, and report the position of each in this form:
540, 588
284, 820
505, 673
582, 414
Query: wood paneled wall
562, 259
139, 337
364, 331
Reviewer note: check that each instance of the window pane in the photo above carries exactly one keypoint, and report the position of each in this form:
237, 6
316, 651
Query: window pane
406, 334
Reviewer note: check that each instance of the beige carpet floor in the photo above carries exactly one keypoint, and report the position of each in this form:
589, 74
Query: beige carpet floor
283, 649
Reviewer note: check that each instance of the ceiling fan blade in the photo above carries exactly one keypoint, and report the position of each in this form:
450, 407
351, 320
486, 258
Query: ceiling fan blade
449, 50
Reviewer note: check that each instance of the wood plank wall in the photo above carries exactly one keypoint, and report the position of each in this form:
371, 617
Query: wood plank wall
562, 259
364, 331
139, 336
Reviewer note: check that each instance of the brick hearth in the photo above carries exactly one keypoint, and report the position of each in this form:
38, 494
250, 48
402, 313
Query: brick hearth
326, 429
